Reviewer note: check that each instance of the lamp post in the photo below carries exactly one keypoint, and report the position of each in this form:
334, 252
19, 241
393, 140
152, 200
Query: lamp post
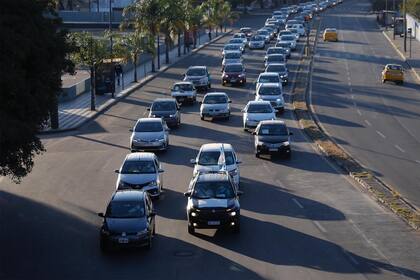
405, 25
110, 49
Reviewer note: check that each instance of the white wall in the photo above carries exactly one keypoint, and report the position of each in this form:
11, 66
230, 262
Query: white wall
414, 24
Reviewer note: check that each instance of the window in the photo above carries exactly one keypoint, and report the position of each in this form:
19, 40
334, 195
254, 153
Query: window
196, 72
273, 129
163, 106
138, 167
208, 158
259, 108
125, 209
213, 189
269, 91
148, 127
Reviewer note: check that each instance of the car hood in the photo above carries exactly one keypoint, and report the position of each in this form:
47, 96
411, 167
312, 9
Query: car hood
211, 203
273, 138
149, 136
260, 116
162, 113
136, 179
129, 225
269, 97
215, 106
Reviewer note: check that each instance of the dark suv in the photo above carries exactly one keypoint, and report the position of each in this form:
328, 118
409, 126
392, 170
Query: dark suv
234, 74
167, 109
129, 221
213, 202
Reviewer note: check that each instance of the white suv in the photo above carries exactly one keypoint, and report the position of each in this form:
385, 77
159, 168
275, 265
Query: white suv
199, 76
214, 157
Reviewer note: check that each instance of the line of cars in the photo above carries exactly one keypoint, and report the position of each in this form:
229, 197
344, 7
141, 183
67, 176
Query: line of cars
213, 192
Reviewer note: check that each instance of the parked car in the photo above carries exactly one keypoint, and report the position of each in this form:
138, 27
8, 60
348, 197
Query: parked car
273, 93
256, 111
213, 202
184, 92
141, 171
272, 136
215, 105
281, 69
234, 73
129, 221
214, 157
275, 58
166, 109
232, 57
149, 134
199, 76
257, 42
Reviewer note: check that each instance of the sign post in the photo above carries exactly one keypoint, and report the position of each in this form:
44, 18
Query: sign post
409, 31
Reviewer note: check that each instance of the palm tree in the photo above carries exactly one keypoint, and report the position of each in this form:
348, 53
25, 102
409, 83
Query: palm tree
227, 15
145, 16
172, 22
193, 18
210, 17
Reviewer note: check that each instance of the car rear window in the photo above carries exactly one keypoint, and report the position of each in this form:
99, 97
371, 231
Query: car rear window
395, 67
273, 129
233, 68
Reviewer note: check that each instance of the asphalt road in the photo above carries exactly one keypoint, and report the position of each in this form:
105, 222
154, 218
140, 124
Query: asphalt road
379, 124
301, 218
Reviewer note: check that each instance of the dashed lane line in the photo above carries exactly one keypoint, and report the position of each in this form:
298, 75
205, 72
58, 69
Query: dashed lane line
359, 112
320, 227
297, 203
368, 123
399, 148
381, 134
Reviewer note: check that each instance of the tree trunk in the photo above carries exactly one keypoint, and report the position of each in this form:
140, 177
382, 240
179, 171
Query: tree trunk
209, 33
54, 121
135, 69
158, 52
179, 44
167, 46
195, 38
92, 88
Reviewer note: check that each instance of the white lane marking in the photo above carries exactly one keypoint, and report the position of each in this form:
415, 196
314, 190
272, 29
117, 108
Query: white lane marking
368, 123
399, 148
381, 134
358, 111
320, 227
297, 203
352, 96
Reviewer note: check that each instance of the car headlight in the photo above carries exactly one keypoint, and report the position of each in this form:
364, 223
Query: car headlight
226, 76
193, 214
233, 172
233, 213
161, 140
279, 101
241, 75
286, 143
172, 116
142, 232
122, 185
152, 184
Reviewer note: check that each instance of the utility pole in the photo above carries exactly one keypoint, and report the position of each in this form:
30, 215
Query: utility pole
110, 49
405, 25
386, 15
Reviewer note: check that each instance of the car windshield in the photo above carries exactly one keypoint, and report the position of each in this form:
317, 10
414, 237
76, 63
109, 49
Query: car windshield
148, 127
163, 106
269, 79
138, 167
259, 108
196, 72
208, 158
232, 47
276, 68
293, 30
395, 67
282, 45
125, 209
273, 58
213, 189
233, 55
273, 129
215, 99
233, 68
257, 38
287, 38
331, 30
183, 87
285, 33
269, 91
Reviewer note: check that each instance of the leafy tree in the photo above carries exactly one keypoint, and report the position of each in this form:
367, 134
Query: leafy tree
210, 16
33, 57
172, 22
193, 18
413, 8
90, 53
226, 15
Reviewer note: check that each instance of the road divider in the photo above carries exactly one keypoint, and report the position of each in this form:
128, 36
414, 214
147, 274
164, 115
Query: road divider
381, 192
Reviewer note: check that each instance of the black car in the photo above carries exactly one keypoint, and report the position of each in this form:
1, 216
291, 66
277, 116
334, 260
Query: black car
234, 74
129, 221
272, 136
167, 109
213, 202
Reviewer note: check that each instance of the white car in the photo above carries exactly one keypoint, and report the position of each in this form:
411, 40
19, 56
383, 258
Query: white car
275, 58
215, 157
215, 105
256, 111
300, 28
199, 76
238, 41
291, 39
273, 93
276, 50
184, 92
232, 57
257, 42
268, 77
295, 32
231, 47
241, 36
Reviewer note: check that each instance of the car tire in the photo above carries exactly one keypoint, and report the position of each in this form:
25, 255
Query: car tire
383, 81
191, 229
209, 86
202, 118
257, 154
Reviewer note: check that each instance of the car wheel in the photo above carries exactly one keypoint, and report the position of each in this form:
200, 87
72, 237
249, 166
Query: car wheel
202, 118
288, 155
191, 229
383, 80
257, 154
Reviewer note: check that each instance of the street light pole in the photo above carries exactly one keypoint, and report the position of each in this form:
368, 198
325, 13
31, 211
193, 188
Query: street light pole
405, 25
110, 49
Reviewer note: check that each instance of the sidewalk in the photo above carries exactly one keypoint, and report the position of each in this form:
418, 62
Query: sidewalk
398, 44
74, 113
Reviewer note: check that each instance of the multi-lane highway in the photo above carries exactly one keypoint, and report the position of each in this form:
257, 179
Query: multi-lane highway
379, 124
301, 218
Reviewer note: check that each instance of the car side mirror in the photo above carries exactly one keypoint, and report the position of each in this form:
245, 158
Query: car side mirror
230, 101
239, 193
148, 109
161, 170
131, 130
200, 102
117, 171
254, 133
101, 215
193, 161
187, 194
238, 162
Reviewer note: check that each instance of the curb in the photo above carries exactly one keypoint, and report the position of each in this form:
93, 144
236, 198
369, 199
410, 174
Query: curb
402, 56
131, 89
333, 152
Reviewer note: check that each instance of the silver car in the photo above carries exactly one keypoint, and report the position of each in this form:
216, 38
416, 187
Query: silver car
275, 58
199, 76
257, 42
141, 171
232, 57
215, 105
149, 134
184, 92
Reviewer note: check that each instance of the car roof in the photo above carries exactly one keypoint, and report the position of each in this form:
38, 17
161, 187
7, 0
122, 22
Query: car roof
268, 74
216, 176
252, 102
164, 99
277, 85
150, 120
216, 93
197, 67
140, 156
216, 147
272, 122
128, 195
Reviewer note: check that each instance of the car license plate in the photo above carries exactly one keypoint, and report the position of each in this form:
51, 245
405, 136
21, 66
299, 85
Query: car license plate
123, 240
272, 149
213, 223
181, 99
233, 80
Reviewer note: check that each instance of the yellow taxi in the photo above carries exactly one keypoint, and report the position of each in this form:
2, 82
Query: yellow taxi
394, 73
330, 34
